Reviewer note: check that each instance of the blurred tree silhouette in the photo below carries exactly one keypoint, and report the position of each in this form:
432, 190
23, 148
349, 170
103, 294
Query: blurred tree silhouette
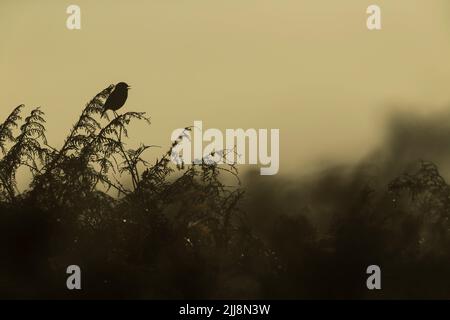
170, 234
181, 232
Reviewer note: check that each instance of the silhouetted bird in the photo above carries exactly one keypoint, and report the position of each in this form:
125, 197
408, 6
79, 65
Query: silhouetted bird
117, 98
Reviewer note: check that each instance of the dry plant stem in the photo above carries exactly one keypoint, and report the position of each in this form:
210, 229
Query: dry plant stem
133, 177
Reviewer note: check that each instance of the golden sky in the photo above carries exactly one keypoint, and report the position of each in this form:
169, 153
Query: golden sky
308, 67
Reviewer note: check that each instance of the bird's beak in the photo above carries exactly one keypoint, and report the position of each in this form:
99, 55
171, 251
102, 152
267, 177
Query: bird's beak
128, 87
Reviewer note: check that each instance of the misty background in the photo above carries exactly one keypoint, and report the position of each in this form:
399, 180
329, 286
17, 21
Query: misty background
356, 110
309, 68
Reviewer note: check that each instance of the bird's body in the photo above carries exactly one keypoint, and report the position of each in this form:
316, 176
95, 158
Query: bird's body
117, 98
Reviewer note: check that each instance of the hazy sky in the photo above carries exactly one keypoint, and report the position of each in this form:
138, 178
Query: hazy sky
308, 67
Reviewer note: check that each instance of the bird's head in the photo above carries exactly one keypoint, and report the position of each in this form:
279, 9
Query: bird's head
123, 86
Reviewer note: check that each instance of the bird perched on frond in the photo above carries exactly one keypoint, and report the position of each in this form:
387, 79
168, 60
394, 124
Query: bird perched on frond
117, 98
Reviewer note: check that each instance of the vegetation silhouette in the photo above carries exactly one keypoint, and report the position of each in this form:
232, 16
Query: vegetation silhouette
168, 235
181, 232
